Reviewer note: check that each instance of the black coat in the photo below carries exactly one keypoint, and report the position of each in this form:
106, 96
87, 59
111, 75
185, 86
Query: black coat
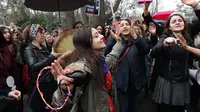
175, 60
36, 60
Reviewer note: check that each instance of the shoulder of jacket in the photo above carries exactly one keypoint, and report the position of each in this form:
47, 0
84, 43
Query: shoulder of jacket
79, 66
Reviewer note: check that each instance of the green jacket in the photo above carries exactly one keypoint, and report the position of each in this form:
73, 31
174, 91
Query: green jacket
89, 98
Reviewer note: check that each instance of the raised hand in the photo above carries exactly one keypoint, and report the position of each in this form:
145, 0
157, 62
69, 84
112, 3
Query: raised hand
117, 31
189, 2
133, 32
57, 69
152, 28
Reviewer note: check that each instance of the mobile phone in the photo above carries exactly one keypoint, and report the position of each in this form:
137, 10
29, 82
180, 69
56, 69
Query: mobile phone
143, 1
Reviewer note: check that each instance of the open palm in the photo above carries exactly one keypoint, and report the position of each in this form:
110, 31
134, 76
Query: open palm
117, 30
189, 2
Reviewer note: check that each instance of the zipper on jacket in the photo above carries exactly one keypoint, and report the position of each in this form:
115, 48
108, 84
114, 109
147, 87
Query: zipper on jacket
170, 64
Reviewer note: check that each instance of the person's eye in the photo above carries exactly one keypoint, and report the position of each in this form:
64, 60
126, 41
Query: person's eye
180, 20
174, 21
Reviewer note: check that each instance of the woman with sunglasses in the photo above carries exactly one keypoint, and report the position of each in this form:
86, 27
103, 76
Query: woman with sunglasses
37, 57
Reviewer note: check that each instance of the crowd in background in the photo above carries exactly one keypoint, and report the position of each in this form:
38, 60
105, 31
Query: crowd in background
119, 62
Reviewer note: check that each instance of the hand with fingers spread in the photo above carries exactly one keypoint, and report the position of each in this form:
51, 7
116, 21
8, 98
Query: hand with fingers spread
15, 94
57, 69
152, 28
60, 75
181, 40
169, 41
133, 32
117, 31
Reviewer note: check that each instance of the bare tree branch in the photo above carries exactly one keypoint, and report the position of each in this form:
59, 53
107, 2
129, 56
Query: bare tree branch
115, 7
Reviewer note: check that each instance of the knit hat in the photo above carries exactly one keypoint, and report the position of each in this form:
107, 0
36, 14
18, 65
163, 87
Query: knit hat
33, 31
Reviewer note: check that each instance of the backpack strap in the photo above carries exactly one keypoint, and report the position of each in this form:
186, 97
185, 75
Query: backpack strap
125, 53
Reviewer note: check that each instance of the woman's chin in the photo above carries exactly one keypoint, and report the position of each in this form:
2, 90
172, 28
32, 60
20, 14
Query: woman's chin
126, 33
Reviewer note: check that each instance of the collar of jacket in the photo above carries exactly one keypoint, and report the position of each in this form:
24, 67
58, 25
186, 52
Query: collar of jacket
126, 42
35, 47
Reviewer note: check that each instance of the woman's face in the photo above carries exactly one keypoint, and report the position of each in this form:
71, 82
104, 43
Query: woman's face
137, 30
97, 43
7, 34
40, 35
144, 27
125, 28
78, 26
176, 24
49, 38
100, 29
15, 36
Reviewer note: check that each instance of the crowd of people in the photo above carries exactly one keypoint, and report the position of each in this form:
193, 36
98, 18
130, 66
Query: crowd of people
109, 68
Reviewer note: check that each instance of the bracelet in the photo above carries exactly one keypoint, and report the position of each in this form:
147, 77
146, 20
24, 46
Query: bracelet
194, 6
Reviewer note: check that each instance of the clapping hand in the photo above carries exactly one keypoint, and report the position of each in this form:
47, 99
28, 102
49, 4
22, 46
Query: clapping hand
117, 31
133, 32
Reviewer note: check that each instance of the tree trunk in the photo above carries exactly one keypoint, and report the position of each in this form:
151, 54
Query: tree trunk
68, 20
95, 20
84, 17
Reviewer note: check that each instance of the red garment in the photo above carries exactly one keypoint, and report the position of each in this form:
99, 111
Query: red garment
6, 65
108, 84
104, 40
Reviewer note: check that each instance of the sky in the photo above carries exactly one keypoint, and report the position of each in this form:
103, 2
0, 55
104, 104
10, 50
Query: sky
168, 4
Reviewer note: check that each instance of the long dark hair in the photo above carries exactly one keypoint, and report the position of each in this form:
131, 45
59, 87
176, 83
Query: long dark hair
83, 43
4, 42
185, 30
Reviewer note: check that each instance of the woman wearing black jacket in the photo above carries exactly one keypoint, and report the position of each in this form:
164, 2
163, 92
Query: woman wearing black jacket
172, 90
37, 57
